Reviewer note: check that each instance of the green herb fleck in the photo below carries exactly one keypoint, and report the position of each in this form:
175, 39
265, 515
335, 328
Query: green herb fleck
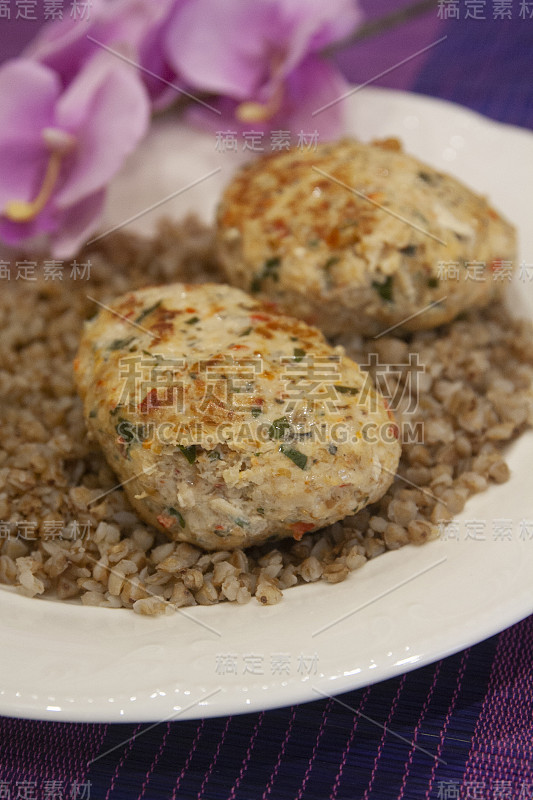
176, 513
331, 262
426, 177
298, 353
189, 452
347, 389
278, 428
298, 458
147, 311
270, 270
433, 283
272, 263
256, 411
332, 448
313, 242
408, 250
246, 332
384, 289
93, 413
214, 455
260, 511
118, 344
192, 321
242, 523
130, 433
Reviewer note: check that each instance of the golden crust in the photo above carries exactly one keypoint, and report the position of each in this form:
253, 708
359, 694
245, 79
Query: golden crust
356, 238
207, 403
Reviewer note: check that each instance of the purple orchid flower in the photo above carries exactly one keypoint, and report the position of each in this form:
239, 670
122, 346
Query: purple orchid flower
160, 78
59, 148
66, 45
263, 58
132, 28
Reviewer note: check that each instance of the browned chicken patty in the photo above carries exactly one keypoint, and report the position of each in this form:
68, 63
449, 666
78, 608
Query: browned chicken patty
356, 238
228, 422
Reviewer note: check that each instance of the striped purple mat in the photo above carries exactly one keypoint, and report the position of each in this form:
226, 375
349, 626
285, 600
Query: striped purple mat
461, 728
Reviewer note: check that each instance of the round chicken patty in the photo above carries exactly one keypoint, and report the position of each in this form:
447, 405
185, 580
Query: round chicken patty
357, 238
228, 422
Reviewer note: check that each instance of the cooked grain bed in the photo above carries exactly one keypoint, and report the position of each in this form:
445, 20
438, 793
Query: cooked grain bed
474, 395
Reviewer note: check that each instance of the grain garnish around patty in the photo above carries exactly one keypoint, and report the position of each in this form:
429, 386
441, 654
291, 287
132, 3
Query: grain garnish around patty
64, 533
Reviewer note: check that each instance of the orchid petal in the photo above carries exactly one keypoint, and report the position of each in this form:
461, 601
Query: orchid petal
28, 92
315, 84
220, 47
107, 109
22, 167
326, 22
65, 45
313, 24
17, 233
157, 73
78, 222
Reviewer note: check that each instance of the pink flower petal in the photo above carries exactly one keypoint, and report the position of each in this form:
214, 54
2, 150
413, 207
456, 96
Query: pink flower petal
315, 84
22, 167
152, 57
78, 223
107, 109
28, 92
326, 21
64, 44
220, 46
24, 233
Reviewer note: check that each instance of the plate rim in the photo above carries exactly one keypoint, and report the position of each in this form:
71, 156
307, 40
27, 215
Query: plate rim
295, 691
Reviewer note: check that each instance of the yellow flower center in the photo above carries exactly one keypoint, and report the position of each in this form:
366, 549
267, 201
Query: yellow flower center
261, 112
59, 144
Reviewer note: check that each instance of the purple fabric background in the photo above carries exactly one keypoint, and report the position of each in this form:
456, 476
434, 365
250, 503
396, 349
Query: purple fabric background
472, 712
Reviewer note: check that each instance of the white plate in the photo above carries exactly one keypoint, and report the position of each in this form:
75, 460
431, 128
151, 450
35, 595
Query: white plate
403, 610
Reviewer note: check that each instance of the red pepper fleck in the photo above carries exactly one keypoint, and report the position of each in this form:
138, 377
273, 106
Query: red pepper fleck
299, 528
270, 305
166, 522
395, 431
151, 401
